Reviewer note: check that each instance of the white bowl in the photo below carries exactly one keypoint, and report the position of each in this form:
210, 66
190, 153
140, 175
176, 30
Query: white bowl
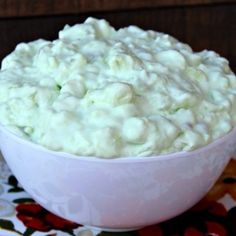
117, 194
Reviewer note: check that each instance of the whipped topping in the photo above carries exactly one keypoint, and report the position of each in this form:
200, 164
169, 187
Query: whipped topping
97, 91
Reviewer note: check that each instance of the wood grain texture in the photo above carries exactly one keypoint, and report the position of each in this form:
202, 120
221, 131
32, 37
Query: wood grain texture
18, 8
212, 27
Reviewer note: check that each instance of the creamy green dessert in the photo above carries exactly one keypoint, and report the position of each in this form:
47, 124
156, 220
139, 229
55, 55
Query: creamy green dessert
97, 91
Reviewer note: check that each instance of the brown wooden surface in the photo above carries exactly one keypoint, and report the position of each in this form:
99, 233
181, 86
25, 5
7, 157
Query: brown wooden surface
17, 8
203, 26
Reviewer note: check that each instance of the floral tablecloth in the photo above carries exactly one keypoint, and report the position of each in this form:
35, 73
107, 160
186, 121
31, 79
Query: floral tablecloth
215, 215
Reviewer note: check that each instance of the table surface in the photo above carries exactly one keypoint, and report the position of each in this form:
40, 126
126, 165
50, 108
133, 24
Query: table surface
213, 215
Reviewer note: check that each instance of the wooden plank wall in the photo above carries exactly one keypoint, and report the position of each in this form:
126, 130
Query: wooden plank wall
203, 24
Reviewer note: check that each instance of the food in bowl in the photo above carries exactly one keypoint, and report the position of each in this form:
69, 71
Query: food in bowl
101, 93
97, 91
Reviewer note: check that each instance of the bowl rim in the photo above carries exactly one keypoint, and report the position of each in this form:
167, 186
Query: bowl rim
126, 159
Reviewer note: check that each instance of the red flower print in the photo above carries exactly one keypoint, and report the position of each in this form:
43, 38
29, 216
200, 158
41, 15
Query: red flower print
154, 230
210, 221
192, 232
34, 216
216, 229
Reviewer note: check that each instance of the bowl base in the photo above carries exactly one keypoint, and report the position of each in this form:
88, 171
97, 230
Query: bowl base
99, 229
